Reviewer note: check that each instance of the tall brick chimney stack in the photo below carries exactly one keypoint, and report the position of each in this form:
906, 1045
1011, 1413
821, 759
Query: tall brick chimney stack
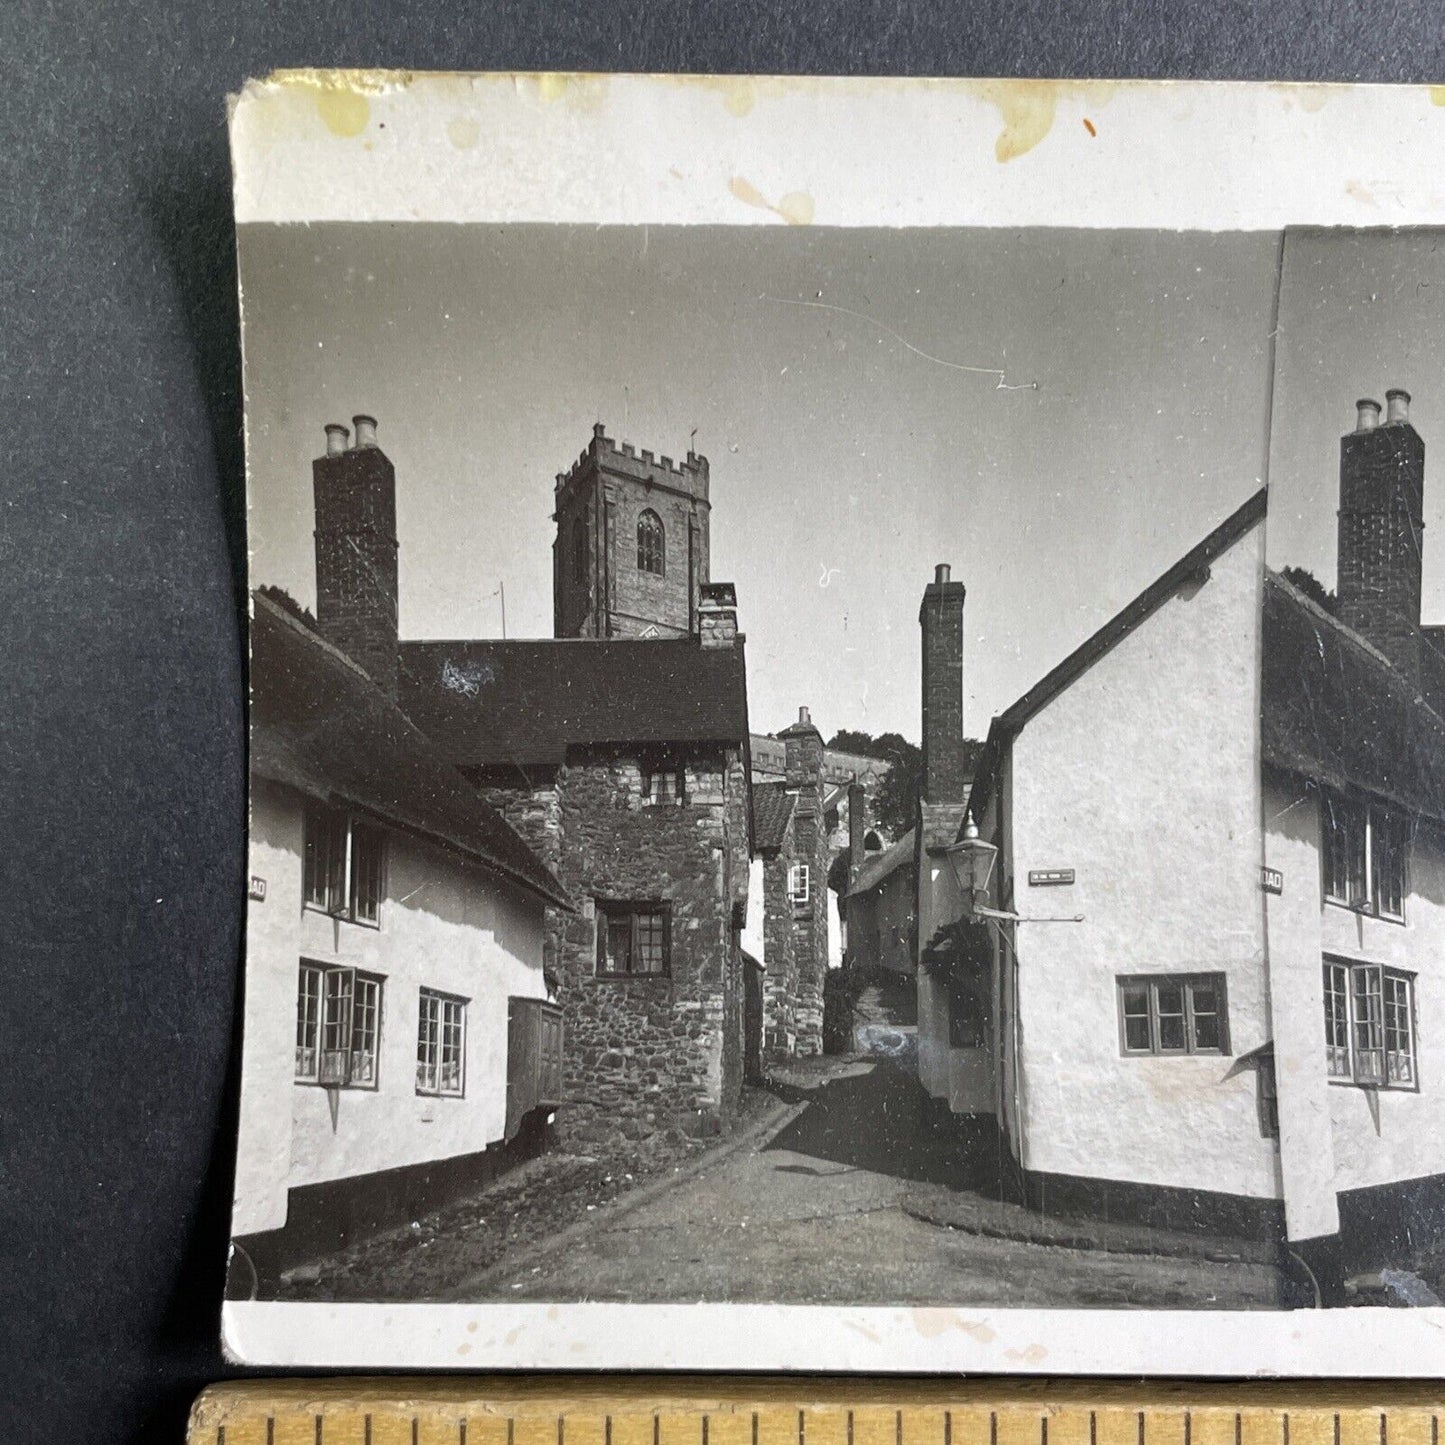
803, 773
355, 498
857, 828
717, 615
1382, 530
945, 778
803, 759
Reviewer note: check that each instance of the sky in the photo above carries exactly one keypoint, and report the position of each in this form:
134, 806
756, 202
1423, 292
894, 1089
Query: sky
1360, 312
1058, 415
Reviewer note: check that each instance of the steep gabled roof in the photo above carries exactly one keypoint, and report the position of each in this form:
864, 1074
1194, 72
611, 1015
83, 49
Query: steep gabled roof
1113, 632
320, 725
1335, 710
772, 812
491, 703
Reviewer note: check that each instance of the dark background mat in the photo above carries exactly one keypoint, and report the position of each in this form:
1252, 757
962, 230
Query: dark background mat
122, 563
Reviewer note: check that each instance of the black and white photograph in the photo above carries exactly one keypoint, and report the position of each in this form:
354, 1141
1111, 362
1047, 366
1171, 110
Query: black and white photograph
849, 766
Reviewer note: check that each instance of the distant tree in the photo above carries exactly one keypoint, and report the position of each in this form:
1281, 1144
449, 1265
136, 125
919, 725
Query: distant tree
1303, 580
893, 806
287, 603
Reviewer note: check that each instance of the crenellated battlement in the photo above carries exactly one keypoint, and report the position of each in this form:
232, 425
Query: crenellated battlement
626, 460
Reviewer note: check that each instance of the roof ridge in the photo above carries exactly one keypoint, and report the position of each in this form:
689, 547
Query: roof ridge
1325, 615
281, 614
1417, 694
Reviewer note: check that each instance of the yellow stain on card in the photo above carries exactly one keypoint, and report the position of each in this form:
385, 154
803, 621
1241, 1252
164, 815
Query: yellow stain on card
1034, 1355
1029, 107
343, 112
1310, 98
932, 1322
1437, 95
463, 132
580, 91
796, 208
342, 96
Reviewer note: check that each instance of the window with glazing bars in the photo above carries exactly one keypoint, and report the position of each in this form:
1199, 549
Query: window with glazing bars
338, 1026
800, 880
664, 782
1364, 847
633, 939
651, 545
1168, 1013
344, 865
441, 1044
1369, 1025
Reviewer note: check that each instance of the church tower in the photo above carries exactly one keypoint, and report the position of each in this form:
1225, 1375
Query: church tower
631, 551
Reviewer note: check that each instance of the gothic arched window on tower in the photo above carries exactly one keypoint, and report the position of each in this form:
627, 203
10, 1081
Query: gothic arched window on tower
651, 548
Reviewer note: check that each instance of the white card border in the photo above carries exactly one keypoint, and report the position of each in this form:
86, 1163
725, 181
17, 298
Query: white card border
637, 150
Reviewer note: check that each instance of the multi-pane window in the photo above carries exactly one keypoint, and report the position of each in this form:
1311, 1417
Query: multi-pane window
1167, 1013
651, 547
344, 865
338, 1026
632, 939
664, 783
1365, 848
800, 884
1389, 843
441, 1038
1369, 1024
1337, 1020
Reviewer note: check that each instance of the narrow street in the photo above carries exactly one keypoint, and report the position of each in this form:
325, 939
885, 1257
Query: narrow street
817, 1215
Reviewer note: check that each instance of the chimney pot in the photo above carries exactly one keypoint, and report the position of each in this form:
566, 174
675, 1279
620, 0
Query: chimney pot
336, 438
1397, 405
803, 715
1367, 414
942, 573
365, 431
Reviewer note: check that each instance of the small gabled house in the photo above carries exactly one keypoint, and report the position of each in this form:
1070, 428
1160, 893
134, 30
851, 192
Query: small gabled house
1213, 874
624, 764
1126, 1017
399, 1044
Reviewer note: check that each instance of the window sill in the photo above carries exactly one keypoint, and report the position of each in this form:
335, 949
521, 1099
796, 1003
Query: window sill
373, 924
1175, 1054
633, 977
346, 1088
1367, 1088
437, 1094
1363, 910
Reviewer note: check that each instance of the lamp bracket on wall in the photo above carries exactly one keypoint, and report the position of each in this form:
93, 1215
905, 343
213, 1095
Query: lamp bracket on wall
983, 912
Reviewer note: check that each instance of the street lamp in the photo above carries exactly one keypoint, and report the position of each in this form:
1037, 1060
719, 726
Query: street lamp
972, 861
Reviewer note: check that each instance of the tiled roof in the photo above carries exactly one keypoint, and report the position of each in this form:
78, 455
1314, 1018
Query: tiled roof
883, 865
1335, 710
772, 812
493, 702
320, 725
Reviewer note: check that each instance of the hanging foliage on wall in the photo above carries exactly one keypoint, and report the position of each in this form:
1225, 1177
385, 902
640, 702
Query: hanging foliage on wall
960, 954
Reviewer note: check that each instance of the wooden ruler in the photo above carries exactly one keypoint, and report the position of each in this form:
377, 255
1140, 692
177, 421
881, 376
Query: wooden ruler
782, 1410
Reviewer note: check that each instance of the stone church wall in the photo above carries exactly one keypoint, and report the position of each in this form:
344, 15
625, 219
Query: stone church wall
654, 1053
